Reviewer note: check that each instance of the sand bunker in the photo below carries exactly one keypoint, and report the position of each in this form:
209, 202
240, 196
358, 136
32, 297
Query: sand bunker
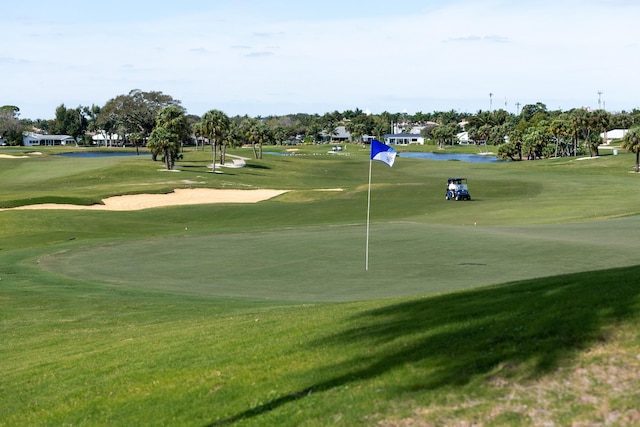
194, 196
11, 156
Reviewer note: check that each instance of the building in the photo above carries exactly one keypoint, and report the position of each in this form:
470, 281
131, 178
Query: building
340, 135
403, 139
613, 135
30, 139
463, 137
106, 139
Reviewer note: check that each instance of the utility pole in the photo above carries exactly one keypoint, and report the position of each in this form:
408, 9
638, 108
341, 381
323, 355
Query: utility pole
517, 108
490, 101
599, 95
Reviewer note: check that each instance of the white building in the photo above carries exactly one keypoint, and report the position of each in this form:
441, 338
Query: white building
403, 139
613, 135
102, 138
31, 139
463, 137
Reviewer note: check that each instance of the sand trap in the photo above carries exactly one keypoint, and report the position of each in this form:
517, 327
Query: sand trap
10, 156
179, 197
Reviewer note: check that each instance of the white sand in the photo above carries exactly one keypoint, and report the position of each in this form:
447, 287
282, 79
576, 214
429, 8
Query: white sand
9, 156
179, 197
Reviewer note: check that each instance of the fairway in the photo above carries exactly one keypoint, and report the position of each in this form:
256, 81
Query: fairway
322, 264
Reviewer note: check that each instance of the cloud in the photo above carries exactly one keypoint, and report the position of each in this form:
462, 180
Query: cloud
268, 34
259, 54
489, 39
12, 60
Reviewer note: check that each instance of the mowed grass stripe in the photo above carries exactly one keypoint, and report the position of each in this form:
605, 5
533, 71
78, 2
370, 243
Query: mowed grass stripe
328, 263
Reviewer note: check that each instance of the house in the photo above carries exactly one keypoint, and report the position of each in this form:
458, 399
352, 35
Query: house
463, 137
31, 139
613, 135
340, 135
403, 139
106, 139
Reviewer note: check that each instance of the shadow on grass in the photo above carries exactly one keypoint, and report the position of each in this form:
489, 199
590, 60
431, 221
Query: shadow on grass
524, 328
256, 166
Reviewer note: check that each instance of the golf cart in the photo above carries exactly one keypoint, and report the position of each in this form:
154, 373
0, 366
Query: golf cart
457, 189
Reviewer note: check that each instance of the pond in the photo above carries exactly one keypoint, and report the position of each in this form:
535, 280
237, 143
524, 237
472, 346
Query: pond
472, 158
461, 157
86, 154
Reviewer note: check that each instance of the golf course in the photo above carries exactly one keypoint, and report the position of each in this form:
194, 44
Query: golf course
132, 295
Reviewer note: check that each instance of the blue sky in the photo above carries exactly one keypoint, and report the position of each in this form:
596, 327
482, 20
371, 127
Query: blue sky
276, 56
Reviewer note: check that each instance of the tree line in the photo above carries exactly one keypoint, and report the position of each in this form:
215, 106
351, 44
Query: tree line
158, 121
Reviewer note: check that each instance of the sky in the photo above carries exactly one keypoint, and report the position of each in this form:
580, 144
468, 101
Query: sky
275, 57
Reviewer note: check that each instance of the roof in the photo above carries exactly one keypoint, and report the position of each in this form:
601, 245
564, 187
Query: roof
402, 135
48, 137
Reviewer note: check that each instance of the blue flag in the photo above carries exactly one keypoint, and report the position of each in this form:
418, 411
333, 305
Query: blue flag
382, 152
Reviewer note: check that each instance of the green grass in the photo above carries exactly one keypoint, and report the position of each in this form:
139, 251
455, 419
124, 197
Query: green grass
331, 267
263, 314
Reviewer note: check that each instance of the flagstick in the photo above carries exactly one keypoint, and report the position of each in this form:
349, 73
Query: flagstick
366, 262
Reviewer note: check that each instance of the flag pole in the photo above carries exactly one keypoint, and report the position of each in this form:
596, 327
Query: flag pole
366, 262
386, 155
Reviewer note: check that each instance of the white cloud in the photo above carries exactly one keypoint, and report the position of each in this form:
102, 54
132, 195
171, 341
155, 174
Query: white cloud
448, 55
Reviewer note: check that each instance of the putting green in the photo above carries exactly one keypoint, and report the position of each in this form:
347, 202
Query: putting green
328, 263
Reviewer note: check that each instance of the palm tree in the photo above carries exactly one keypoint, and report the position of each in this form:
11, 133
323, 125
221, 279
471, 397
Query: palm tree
598, 123
534, 141
578, 122
229, 139
515, 140
214, 125
631, 142
248, 129
559, 129
483, 134
256, 132
162, 142
166, 138
196, 129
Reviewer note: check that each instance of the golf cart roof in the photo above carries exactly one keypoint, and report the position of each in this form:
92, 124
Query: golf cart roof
457, 180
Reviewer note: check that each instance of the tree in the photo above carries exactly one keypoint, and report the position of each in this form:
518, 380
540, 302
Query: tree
579, 125
559, 129
162, 142
631, 143
514, 146
534, 142
598, 123
230, 139
360, 125
167, 137
92, 114
214, 124
445, 134
530, 110
256, 132
70, 122
198, 133
134, 112
10, 126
